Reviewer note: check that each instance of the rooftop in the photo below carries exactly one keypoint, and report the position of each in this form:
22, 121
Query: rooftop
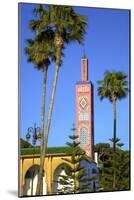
50, 150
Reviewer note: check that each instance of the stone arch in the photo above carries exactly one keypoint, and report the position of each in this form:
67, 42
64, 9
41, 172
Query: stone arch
26, 166
30, 181
59, 170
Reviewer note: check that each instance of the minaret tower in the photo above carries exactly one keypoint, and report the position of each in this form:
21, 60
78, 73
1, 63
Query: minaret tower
84, 110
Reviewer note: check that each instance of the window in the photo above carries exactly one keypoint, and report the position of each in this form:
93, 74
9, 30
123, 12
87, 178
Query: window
83, 89
83, 135
83, 116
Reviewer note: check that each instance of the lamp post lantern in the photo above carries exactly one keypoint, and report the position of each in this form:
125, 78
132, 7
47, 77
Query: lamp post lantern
34, 133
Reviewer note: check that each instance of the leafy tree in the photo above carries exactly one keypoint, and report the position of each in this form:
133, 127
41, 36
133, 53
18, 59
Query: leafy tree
114, 87
75, 179
121, 167
123, 173
67, 26
103, 150
24, 144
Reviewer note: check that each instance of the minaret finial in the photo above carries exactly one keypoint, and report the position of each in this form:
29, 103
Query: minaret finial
84, 66
84, 54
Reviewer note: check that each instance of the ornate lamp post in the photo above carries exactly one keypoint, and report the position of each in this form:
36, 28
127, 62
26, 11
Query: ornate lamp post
35, 134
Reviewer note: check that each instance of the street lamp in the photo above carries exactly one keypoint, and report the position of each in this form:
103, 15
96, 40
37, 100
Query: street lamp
35, 134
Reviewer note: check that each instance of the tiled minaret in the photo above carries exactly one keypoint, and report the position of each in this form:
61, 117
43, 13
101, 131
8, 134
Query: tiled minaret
84, 110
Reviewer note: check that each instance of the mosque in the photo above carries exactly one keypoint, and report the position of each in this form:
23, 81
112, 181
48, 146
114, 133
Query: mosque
54, 163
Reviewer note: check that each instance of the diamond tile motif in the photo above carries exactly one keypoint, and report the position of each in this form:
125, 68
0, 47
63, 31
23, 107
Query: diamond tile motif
83, 103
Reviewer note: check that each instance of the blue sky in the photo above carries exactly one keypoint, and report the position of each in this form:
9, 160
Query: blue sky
107, 48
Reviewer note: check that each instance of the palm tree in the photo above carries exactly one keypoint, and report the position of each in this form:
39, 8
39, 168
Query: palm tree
68, 26
39, 51
114, 87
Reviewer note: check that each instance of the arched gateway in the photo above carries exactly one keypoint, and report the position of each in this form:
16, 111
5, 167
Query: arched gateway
53, 167
30, 181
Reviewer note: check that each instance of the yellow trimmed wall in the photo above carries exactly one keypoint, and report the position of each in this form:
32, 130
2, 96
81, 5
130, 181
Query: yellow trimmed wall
52, 162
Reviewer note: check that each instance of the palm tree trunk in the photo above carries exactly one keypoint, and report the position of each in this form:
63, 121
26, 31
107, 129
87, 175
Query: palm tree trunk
114, 144
50, 111
32, 185
40, 176
114, 138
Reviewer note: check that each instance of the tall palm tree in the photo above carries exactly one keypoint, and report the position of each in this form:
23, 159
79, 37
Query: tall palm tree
68, 26
40, 51
114, 87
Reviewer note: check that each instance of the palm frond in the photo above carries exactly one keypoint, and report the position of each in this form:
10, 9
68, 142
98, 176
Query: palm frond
114, 83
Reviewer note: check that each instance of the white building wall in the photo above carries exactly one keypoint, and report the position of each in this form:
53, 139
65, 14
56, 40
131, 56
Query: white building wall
28, 184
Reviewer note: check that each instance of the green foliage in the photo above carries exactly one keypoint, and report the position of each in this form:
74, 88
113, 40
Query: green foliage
61, 19
122, 170
24, 144
114, 85
64, 24
75, 179
121, 166
40, 50
103, 150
